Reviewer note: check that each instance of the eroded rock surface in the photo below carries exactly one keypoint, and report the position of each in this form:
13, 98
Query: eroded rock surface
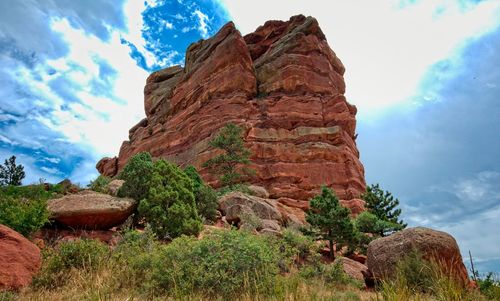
283, 84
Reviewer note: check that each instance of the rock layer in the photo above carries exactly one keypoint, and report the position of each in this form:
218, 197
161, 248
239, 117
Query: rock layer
283, 84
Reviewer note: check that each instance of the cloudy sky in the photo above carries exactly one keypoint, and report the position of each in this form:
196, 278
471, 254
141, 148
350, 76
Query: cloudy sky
423, 74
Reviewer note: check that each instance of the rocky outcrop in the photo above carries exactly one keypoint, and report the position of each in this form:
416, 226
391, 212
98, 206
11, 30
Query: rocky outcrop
385, 253
19, 259
90, 210
113, 187
283, 84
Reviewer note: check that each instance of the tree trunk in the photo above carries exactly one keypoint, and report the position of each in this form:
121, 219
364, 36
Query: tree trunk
332, 254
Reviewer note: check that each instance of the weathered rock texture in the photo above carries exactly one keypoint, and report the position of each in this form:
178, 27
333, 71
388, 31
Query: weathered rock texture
91, 210
19, 259
283, 84
384, 253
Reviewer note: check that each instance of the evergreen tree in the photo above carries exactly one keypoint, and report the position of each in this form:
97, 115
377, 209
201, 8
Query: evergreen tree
331, 219
11, 173
205, 196
137, 176
383, 205
170, 206
228, 165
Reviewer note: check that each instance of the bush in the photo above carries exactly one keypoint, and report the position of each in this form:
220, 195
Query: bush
170, 206
490, 286
80, 254
298, 245
23, 215
205, 196
99, 184
416, 277
137, 177
222, 263
31, 192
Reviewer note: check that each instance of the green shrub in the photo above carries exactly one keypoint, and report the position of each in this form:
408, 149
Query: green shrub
80, 254
205, 196
31, 192
383, 205
170, 207
137, 177
99, 184
490, 286
23, 215
298, 245
222, 263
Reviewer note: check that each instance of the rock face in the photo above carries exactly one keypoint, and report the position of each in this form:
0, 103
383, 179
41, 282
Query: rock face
91, 210
19, 259
283, 84
384, 253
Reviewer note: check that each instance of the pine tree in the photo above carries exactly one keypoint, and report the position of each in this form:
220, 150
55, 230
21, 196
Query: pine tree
228, 165
331, 219
383, 205
10, 173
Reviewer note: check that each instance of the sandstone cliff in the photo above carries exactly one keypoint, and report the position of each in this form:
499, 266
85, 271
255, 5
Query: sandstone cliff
283, 84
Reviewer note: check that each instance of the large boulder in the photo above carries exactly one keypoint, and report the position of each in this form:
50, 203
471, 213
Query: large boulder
19, 259
385, 253
91, 210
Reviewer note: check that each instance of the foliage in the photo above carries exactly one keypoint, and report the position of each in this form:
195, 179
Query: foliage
137, 177
419, 279
23, 215
369, 227
228, 164
490, 286
11, 173
205, 196
222, 263
32, 192
331, 219
170, 206
299, 246
99, 184
241, 187
383, 205
80, 254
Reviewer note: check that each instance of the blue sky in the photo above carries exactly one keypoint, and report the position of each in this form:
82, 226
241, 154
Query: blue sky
423, 74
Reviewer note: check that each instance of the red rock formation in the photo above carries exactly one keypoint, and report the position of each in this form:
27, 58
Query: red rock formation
19, 259
283, 84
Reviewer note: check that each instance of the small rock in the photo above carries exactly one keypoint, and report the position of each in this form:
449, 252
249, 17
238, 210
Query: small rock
258, 191
113, 187
353, 268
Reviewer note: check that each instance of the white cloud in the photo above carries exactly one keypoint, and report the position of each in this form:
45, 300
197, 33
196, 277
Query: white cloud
52, 160
50, 170
202, 19
386, 49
